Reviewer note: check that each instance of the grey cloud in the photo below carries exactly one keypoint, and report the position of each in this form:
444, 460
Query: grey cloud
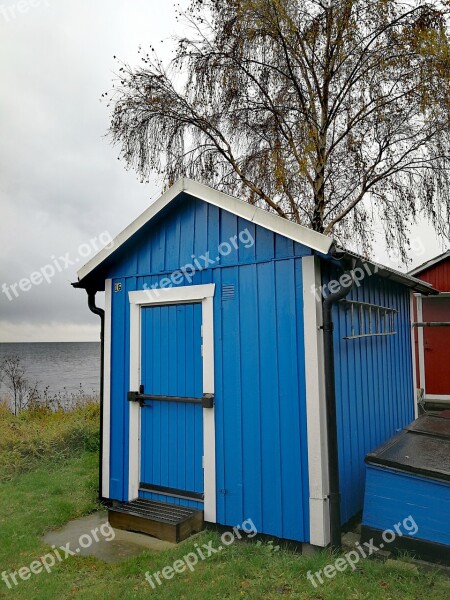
60, 181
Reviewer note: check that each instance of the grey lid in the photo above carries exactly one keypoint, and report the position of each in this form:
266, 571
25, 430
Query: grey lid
422, 448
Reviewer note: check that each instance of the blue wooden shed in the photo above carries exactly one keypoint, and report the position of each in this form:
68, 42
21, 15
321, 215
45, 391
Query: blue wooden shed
214, 394
408, 478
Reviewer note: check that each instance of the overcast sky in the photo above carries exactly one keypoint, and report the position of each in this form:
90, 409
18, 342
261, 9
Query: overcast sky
61, 184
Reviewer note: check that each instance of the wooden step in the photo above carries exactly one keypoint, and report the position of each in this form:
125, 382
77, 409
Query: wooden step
169, 522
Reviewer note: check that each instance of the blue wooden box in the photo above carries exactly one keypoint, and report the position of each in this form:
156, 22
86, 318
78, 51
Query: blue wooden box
408, 481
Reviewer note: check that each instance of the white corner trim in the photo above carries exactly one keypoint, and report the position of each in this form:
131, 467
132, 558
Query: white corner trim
319, 523
413, 353
106, 439
179, 295
298, 233
421, 347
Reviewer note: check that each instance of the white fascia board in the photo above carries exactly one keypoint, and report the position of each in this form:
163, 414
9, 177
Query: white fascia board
312, 239
132, 228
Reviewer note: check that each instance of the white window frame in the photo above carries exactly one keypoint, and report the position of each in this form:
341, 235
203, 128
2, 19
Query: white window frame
175, 295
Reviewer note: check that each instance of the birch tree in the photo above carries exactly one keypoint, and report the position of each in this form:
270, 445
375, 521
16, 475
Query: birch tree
333, 114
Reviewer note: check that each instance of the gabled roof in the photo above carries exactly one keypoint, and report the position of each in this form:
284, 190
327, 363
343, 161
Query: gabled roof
430, 263
298, 233
322, 244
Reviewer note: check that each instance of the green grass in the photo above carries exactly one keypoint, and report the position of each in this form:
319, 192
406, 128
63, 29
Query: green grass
40, 434
52, 494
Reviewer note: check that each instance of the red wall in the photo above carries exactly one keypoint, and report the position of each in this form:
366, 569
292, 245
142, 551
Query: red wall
438, 275
436, 340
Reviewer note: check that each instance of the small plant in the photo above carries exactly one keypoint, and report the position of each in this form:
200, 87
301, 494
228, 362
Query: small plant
64, 399
13, 376
22, 395
268, 546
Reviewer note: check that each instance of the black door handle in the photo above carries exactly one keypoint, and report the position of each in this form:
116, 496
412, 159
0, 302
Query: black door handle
207, 400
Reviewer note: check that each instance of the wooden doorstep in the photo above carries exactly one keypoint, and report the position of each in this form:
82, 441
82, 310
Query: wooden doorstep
169, 522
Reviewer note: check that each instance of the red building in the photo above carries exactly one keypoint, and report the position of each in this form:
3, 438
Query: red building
432, 332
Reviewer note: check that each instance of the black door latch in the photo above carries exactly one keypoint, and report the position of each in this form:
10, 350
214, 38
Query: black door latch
206, 401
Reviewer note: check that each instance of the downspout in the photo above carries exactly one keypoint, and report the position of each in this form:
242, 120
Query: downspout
101, 313
331, 416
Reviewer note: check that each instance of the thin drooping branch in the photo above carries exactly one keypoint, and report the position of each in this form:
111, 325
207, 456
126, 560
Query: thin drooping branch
324, 113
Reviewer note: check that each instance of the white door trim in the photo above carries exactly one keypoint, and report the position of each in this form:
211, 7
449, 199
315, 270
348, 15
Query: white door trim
421, 347
414, 355
106, 438
178, 295
319, 521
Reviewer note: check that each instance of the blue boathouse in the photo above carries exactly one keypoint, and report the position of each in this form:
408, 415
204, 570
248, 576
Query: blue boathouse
214, 382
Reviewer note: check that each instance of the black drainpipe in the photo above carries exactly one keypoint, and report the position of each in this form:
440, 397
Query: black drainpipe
330, 399
101, 313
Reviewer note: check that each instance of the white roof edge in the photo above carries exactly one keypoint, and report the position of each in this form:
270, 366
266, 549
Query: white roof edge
430, 263
298, 233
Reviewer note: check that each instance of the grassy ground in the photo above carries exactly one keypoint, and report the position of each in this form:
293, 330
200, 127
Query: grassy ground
41, 434
52, 493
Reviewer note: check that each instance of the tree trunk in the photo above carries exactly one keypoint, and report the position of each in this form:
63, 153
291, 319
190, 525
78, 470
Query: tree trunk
319, 185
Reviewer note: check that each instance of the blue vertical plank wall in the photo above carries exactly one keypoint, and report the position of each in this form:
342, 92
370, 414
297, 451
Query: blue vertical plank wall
391, 496
260, 408
374, 389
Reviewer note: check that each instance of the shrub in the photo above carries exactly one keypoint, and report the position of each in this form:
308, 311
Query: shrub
41, 433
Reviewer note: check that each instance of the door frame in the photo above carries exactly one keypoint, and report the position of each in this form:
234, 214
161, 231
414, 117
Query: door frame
438, 399
163, 296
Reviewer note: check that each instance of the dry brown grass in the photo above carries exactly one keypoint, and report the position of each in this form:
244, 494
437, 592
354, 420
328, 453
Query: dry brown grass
39, 434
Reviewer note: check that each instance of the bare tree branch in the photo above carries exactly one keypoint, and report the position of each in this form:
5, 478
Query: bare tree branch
326, 113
